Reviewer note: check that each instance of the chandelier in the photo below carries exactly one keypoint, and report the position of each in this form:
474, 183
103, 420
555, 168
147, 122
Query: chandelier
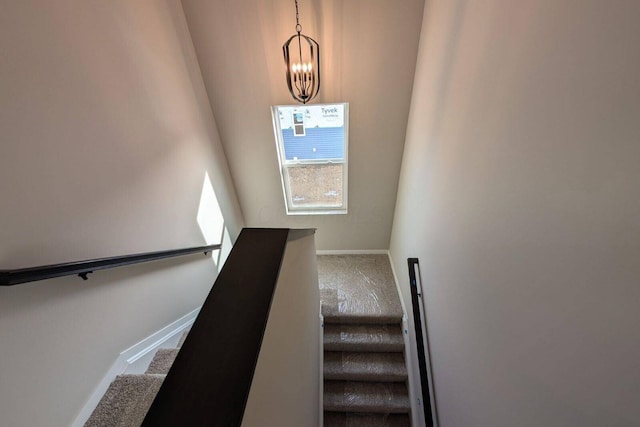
302, 59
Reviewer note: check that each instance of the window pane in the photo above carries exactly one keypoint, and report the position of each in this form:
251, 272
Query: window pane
313, 132
315, 185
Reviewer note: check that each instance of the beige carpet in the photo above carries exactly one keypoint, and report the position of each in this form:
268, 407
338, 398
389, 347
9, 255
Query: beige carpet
129, 397
162, 361
126, 402
358, 289
365, 375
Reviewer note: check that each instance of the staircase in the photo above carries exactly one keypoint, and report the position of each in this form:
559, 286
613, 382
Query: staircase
365, 375
129, 396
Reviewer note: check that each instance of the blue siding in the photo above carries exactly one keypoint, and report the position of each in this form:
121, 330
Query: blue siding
328, 144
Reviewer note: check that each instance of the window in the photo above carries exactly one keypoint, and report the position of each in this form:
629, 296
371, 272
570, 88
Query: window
312, 153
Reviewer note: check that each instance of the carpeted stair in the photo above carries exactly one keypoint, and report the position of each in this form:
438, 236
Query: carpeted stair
162, 361
365, 375
363, 338
365, 381
127, 401
129, 396
358, 366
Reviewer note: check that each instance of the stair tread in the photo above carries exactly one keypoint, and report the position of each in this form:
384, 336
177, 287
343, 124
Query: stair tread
371, 397
358, 288
361, 319
347, 419
356, 366
363, 338
162, 361
126, 401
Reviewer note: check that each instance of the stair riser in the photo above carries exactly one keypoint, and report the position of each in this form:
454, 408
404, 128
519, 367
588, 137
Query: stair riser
373, 409
349, 419
362, 320
369, 367
353, 396
363, 338
364, 348
364, 377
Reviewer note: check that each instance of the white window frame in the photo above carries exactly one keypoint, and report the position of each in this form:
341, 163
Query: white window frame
287, 164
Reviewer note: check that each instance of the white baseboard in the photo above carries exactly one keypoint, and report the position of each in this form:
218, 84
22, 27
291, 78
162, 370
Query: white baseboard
136, 353
353, 252
135, 359
415, 390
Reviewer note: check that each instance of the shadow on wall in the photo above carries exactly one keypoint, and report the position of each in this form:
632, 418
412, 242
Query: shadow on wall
211, 223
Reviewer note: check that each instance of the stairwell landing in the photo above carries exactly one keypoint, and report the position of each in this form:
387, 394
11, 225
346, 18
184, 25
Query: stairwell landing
365, 375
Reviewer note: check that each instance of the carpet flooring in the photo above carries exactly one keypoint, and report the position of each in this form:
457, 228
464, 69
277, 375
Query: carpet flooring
365, 375
127, 401
358, 289
129, 397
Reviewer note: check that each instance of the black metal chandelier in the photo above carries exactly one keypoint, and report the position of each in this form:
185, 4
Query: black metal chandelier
303, 72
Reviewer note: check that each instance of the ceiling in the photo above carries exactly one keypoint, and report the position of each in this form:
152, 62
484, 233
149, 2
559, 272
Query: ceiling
368, 49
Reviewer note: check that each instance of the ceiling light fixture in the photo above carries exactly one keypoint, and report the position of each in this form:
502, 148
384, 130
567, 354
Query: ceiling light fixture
303, 74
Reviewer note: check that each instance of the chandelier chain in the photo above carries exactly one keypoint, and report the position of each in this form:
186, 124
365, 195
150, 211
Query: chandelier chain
298, 26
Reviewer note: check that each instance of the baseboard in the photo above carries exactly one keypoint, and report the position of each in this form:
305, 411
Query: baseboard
135, 359
138, 351
353, 252
415, 396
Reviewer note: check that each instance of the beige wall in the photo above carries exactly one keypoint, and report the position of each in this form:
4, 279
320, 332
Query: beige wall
368, 57
519, 194
106, 139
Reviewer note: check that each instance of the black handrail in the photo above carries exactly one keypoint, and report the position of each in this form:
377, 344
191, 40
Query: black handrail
422, 360
82, 268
